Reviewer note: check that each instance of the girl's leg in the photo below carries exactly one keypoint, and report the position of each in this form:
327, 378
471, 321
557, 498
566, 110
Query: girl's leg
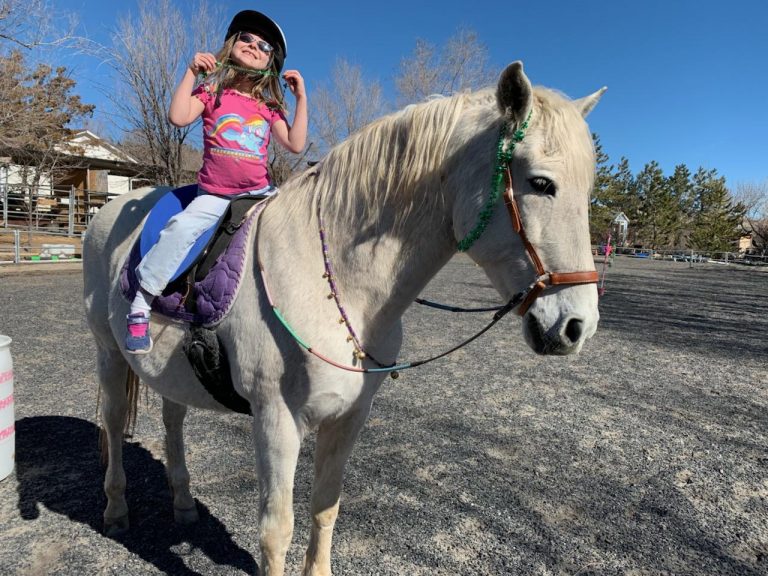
176, 240
160, 264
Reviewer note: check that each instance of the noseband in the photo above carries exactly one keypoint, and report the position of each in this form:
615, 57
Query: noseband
544, 278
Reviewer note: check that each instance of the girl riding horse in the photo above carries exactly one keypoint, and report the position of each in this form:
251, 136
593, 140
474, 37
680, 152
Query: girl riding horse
241, 104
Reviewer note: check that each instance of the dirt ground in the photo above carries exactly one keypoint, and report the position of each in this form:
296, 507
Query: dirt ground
645, 455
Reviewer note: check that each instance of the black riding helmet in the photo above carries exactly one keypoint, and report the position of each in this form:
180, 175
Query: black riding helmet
258, 23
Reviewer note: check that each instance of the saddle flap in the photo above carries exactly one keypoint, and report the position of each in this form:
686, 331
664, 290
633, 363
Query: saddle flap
222, 233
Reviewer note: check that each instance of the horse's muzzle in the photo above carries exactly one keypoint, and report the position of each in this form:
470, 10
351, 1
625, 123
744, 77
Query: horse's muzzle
564, 337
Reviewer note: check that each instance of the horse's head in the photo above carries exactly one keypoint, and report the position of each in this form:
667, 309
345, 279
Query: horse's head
547, 149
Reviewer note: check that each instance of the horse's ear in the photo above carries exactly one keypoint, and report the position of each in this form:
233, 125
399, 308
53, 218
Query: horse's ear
586, 104
514, 93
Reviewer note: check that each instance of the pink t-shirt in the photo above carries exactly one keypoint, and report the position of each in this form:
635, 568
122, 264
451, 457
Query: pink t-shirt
235, 140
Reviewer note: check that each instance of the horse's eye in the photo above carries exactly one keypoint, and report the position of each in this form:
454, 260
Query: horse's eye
542, 185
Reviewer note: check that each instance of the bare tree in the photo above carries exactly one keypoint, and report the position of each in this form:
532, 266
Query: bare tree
134, 144
27, 24
36, 107
148, 56
22, 22
345, 105
461, 64
754, 196
284, 164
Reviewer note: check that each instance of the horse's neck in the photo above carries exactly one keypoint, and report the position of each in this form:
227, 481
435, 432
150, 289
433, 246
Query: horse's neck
379, 267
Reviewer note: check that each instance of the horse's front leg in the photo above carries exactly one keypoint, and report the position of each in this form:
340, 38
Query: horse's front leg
334, 444
184, 508
277, 441
112, 373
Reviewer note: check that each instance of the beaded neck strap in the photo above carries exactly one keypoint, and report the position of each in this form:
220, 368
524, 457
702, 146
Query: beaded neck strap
249, 71
503, 159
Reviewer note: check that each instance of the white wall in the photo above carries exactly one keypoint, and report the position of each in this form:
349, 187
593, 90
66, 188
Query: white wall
118, 184
14, 177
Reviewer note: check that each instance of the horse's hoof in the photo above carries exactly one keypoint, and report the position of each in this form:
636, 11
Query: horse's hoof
186, 516
115, 526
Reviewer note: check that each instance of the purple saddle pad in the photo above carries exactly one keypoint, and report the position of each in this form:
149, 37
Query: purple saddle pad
214, 294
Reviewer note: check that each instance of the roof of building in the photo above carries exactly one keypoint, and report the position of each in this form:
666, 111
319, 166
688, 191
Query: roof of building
620, 217
88, 145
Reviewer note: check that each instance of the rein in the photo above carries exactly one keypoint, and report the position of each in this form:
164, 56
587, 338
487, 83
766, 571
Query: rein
247, 71
360, 353
543, 279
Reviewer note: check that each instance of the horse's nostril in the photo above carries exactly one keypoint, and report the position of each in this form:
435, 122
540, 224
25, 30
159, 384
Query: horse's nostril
574, 329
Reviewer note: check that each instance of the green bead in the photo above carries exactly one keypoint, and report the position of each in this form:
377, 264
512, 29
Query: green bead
503, 159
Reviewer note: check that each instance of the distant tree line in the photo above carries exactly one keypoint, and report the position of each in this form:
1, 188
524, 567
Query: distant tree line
681, 210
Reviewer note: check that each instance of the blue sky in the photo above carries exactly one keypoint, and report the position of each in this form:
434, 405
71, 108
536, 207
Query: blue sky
687, 80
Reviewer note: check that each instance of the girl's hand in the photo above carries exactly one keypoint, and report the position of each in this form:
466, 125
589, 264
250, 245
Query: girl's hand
295, 83
203, 62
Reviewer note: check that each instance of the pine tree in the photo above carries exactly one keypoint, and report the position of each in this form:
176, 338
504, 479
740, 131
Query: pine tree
681, 188
659, 211
603, 200
38, 107
626, 199
716, 218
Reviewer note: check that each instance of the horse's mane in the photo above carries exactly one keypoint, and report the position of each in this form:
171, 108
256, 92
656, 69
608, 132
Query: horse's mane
398, 157
387, 160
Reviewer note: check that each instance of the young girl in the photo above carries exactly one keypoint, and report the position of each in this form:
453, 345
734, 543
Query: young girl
241, 104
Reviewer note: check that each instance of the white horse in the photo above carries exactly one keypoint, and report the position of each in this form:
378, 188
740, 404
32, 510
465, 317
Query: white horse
395, 198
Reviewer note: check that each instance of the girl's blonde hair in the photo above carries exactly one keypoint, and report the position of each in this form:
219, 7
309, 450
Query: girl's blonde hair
266, 83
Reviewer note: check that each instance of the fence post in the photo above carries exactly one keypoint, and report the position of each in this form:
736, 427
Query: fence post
32, 196
86, 210
16, 247
5, 206
71, 215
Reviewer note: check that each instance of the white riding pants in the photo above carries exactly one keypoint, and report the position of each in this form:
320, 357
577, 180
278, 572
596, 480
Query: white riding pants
182, 231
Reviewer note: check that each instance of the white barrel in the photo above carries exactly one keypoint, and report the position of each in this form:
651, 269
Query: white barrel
7, 422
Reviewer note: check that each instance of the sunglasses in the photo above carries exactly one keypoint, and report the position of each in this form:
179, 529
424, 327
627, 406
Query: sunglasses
249, 38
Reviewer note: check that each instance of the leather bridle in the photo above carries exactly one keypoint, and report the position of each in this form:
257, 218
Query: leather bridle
522, 300
544, 278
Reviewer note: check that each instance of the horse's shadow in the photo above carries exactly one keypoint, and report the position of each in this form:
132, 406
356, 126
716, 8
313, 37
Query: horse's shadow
58, 465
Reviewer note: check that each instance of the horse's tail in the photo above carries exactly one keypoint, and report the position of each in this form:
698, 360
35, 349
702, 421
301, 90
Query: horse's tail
132, 390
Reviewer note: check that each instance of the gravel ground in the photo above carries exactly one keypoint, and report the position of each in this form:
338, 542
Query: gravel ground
645, 455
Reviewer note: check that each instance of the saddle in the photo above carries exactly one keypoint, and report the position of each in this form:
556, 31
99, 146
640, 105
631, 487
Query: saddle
205, 286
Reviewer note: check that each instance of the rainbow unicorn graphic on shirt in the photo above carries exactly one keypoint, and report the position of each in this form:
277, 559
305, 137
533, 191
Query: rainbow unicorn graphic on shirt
249, 135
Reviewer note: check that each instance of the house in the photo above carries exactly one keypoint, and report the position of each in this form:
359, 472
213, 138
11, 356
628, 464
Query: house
102, 167
745, 244
620, 228
91, 170
753, 238
92, 164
